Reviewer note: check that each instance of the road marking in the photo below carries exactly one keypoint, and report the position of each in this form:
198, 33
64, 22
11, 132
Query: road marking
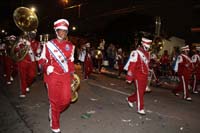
110, 89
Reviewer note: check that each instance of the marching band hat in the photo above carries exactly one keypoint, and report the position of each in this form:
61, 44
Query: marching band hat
146, 42
87, 45
12, 37
185, 48
119, 50
62, 24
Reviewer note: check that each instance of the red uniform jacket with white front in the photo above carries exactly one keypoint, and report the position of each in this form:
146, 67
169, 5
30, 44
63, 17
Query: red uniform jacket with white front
184, 65
137, 64
196, 62
47, 58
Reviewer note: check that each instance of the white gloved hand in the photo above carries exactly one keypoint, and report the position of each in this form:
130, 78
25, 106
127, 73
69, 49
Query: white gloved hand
128, 81
49, 69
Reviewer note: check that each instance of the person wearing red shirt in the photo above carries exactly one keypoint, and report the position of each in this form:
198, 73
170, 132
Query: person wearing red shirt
57, 59
87, 62
9, 63
27, 67
165, 63
137, 70
184, 68
196, 74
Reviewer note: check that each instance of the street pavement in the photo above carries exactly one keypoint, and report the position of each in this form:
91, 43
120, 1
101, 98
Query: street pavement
101, 108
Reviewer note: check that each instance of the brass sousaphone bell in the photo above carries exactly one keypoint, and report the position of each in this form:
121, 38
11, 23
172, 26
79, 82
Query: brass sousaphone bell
27, 21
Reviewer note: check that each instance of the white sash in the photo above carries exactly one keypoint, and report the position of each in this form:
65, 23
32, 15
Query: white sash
143, 57
187, 58
58, 55
31, 54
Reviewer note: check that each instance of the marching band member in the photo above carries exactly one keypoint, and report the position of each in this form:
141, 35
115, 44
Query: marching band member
196, 62
184, 68
27, 67
87, 62
57, 59
153, 70
9, 63
137, 70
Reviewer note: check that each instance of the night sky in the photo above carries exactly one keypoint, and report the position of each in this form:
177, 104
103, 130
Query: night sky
109, 16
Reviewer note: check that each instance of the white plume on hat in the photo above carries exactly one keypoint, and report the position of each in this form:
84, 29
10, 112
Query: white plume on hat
146, 42
62, 24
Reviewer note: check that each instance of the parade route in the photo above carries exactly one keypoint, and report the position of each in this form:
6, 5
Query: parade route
101, 107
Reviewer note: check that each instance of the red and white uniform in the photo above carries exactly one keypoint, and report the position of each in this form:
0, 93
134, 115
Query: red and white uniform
57, 60
184, 68
196, 63
87, 65
137, 71
27, 66
9, 66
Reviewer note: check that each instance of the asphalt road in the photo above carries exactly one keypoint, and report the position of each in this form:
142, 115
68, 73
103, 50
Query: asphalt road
101, 108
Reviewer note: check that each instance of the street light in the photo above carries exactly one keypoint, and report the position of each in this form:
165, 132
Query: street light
66, 1
74, 6
33, 9
73, 28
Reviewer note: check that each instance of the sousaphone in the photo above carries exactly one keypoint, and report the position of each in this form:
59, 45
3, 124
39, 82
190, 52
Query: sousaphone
27, 21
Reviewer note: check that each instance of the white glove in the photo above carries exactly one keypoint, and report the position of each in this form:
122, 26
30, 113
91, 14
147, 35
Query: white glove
128, 81
49, 69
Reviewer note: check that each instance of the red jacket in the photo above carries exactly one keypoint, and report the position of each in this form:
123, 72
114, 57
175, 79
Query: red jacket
48, 60
138, 64
185, 65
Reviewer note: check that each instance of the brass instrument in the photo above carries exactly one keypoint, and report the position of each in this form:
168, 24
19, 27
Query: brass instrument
26, 20
75, 85
98, 54
157, 43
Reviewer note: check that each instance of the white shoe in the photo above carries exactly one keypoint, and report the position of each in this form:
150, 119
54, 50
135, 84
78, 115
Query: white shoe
22, 96
147, 89
130, 104
56, 130
27, 89
142, 112
8, 83
188, 99
177, 94
195, 92
11, 78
